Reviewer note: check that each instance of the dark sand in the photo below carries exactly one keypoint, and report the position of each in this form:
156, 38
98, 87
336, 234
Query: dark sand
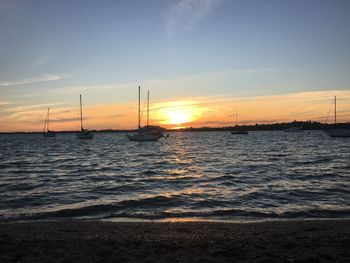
93, 241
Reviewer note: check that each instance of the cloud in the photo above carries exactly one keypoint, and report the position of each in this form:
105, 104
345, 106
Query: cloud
43, 59
33, 80
210, 111
73, 119
185, 14
25, 108
220, 110
174, 87
4, 102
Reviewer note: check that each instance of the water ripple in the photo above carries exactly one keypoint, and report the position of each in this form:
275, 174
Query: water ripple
200, 175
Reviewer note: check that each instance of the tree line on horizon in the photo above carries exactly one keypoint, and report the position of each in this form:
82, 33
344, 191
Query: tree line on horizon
305, 125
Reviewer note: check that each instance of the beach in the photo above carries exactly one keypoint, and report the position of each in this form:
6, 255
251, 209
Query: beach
98, 241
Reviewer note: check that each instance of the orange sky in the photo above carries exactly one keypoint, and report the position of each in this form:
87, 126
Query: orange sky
187, 112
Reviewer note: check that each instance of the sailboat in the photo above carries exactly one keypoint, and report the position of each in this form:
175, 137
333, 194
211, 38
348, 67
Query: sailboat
83, 134
337, 132
148, 132
238, 130
46, 131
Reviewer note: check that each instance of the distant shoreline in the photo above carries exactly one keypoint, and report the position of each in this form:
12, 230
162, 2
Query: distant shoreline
96, 241
305, 125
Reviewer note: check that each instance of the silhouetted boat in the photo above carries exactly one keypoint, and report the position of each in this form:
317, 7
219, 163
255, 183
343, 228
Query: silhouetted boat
148, 132
337, 132
238, 130
84, 133
46, 132
294, 129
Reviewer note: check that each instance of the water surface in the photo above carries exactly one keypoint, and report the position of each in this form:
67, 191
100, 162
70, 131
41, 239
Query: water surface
198, 175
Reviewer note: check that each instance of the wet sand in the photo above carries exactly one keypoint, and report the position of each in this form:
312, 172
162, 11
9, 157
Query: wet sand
95, 241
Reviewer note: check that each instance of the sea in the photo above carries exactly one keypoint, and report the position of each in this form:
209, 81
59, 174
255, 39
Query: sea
265, 175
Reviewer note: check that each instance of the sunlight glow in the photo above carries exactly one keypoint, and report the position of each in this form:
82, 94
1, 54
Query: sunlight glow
178, 116
172, 114
195, 112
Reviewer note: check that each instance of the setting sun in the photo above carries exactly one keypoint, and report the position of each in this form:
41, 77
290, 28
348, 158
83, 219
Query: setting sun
178, 116
170, 114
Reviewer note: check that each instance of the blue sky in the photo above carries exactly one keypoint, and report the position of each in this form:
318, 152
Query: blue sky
51, 51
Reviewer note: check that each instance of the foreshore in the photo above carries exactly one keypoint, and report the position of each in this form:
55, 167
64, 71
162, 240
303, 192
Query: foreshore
97, 241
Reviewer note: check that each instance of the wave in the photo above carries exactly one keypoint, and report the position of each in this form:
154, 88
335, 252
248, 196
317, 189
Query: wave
124, 210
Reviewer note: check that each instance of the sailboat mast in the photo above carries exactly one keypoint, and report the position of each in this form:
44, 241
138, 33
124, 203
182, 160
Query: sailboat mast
48, 118
139, 108
335, 109
81, 115
44, 130
147, 107
236, 117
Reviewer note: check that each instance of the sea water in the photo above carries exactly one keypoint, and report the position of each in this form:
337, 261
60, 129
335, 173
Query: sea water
190, 175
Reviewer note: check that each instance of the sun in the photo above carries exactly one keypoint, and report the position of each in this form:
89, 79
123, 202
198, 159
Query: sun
177, 116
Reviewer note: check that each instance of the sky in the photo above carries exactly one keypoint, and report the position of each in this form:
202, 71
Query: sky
203, 61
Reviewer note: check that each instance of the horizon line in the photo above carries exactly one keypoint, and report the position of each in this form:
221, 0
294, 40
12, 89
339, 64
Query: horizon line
190, 128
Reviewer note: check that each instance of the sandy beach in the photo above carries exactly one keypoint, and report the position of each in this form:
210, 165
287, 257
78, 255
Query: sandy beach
96, 241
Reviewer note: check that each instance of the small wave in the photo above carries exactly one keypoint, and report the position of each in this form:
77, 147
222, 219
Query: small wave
103, 210
232, 214
237, 213
116, 211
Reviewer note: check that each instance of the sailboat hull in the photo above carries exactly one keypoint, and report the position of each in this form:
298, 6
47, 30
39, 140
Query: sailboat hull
85, 135
338, 132
49, 134
239, 132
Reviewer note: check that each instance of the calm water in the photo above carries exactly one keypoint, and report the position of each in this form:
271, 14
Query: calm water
210, 175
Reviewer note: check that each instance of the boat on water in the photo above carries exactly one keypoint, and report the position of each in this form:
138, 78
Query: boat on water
294, 129
46, 131
148, 132
84, 133
237, 130
337, 132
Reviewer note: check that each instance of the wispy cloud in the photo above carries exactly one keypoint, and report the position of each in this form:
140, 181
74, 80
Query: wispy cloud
25, 108
43, 59
185, 14
185, 81
220, 110
195, 112
4, 102
73, 119
34, 80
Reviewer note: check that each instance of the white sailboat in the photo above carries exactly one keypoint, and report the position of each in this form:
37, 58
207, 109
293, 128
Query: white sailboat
337, 132
84, 133
46, 131
238, 130
148, 132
